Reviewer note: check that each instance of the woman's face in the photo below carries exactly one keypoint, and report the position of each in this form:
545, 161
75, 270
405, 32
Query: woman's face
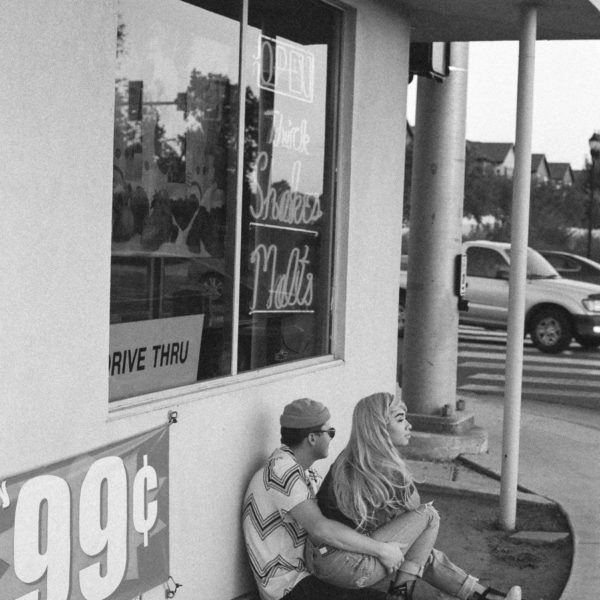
398, 427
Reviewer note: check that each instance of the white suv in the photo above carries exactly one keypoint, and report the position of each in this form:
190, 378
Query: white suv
556, 309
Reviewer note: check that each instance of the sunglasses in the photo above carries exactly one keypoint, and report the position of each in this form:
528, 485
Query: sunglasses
330, 432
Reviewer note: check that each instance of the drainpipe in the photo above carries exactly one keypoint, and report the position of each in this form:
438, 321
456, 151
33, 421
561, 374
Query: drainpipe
518, 270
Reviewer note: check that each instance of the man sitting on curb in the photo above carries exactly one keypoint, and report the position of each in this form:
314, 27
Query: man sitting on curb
280, 510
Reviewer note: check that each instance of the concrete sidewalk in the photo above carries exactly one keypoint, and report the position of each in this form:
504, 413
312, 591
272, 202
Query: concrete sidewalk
559, 460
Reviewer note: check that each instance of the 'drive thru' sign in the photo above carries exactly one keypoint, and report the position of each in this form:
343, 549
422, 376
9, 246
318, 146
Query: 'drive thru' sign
146, 356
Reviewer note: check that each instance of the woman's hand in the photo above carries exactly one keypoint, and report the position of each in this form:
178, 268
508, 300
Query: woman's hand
391, 555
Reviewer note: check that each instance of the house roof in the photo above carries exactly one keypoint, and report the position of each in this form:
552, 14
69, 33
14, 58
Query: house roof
493, 152
558, 170
536, 159
474, 20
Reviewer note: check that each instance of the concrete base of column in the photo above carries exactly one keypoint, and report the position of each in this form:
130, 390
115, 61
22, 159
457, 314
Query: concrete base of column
456, 424
444, 438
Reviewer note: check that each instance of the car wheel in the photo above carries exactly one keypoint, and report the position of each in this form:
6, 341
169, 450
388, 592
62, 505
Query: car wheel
401, 313
551, 330
587, 342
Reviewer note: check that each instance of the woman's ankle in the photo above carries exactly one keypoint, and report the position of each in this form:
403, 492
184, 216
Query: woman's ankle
492, 594
401, 591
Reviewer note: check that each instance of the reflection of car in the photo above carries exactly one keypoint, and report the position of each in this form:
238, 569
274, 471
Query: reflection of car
556, 309
573, 266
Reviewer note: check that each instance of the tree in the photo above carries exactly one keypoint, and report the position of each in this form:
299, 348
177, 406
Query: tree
486, 192
556, 212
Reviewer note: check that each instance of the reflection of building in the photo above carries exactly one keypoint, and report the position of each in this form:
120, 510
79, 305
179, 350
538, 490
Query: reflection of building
57, 226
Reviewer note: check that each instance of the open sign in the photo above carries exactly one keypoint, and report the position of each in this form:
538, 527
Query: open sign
285, 68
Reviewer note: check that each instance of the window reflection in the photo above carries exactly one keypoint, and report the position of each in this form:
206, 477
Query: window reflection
174, 203
174, 177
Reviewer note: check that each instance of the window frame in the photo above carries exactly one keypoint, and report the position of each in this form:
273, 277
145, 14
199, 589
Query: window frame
337, 183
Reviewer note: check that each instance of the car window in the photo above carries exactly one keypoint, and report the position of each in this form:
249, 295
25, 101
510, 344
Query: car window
537, 266
484, 262
572, 265
589, 271
559, 262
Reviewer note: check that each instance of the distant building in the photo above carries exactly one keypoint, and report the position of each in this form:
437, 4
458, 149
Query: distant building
540, 172
561, 174
499, 156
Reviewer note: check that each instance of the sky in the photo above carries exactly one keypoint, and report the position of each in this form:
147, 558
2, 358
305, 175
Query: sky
566, 96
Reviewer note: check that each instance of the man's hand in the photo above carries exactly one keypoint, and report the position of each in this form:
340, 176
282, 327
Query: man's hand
326, 531
391, 555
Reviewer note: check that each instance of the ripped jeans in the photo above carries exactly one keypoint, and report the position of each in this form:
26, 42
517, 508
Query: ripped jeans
417, 529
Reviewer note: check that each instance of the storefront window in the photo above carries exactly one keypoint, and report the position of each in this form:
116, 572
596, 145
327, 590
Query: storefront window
286, 198
177, 205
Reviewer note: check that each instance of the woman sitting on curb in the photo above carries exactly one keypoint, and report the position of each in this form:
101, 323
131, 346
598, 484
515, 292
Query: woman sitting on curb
370, 488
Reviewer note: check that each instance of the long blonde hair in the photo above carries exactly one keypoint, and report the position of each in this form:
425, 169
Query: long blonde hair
369, 476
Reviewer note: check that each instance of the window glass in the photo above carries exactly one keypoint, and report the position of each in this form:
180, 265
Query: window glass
176, 199
557, 261
287, 195
484, 262
571, 265
537, 266
174, 193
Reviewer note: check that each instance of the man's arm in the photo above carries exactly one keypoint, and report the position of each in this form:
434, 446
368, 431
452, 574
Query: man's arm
327, 531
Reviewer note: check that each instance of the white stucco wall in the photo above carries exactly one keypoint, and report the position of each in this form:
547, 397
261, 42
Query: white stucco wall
56, 118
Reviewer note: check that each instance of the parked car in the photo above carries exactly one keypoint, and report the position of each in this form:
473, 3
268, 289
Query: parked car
556, 309
573, 266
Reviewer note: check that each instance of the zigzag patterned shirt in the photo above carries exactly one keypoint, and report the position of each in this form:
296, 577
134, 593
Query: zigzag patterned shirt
274, 541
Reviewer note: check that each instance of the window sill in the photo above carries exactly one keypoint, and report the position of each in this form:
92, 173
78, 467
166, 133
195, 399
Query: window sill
183, 395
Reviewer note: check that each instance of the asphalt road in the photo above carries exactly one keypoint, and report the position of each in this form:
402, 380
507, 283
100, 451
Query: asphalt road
571, 378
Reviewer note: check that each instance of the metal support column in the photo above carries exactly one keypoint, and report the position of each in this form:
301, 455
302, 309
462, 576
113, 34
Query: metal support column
518, 270
431, 333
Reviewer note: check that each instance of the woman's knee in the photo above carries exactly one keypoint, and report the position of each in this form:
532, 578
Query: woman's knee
433, 517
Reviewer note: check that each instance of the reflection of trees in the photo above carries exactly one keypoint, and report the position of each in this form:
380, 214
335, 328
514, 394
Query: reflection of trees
250, 137
199, 156
170, 154
251, 130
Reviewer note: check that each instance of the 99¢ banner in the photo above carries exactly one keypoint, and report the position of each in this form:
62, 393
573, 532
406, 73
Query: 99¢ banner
88, 528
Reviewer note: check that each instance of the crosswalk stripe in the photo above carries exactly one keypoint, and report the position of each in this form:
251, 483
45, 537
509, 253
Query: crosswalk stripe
544, 380
531, 368
482, 362
533, 358
473, 387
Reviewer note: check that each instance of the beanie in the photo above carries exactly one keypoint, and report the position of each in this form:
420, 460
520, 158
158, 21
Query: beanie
304, 414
